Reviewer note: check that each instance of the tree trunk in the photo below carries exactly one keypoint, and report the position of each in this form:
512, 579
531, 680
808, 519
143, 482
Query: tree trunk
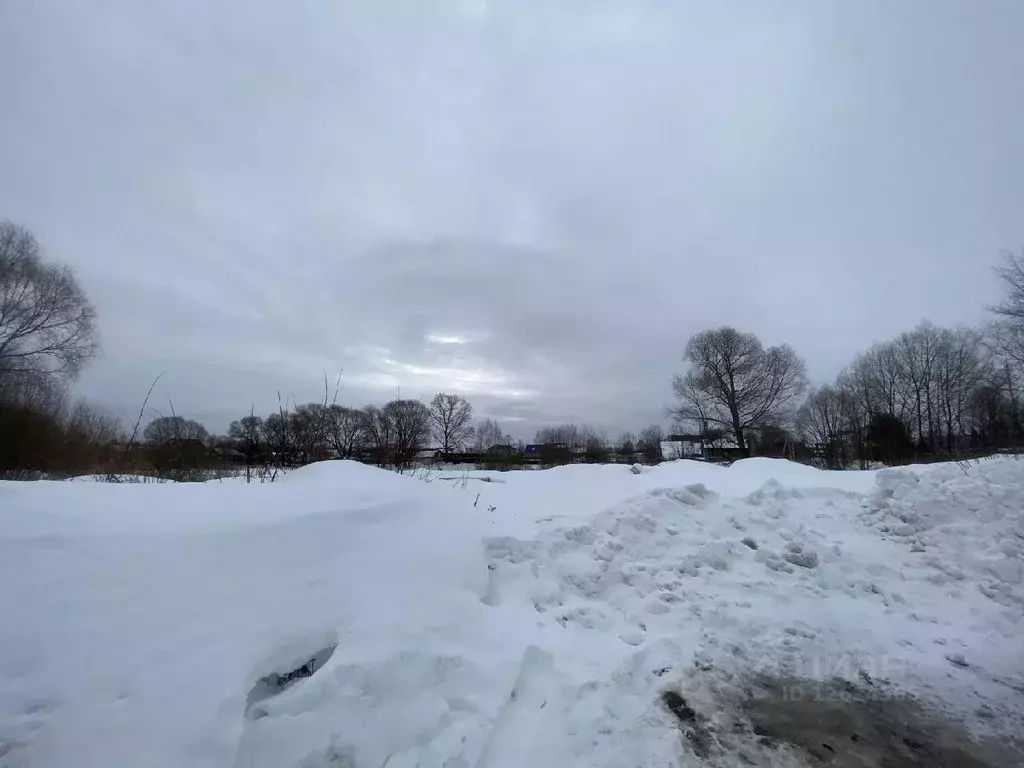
920, 425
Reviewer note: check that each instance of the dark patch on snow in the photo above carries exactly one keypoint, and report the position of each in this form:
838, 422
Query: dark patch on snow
835, 723
846, 725
695, 731
279, 681
677, 706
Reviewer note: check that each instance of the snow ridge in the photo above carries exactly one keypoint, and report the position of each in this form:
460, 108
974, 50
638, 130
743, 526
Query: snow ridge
352, 617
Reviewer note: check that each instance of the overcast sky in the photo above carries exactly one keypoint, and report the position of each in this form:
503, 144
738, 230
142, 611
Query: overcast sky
534, 203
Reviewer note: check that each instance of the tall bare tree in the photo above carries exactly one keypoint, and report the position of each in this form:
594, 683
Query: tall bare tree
696, 410
916, 355
380, 437
311, 425
488, 432
247, 433
396, 432
278, 437
960, 370
626, 444
858, 402
451, 421
821, 422
991, 414
880, 381
931, 390
87, 423
595, 446
347, 430
1005, 336
735, 383
648, 443
410, 423
1011, 274
47, 325
571, 435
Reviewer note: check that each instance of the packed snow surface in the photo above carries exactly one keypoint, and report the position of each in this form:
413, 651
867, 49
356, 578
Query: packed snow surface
347, 616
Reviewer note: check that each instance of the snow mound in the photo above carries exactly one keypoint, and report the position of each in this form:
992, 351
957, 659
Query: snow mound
965, 523
346, 616
344, 472
139, 619
747, 475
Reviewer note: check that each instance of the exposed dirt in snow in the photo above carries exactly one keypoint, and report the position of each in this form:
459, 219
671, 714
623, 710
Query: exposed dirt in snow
779, 721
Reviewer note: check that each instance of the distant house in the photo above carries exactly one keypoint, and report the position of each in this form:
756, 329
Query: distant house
723, 449
427, 456
709, 447
503, 450
682, 447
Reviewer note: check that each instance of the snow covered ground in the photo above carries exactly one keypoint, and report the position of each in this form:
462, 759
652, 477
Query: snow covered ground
347, 616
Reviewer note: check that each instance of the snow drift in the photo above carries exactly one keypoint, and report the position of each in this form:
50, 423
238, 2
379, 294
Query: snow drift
346, 616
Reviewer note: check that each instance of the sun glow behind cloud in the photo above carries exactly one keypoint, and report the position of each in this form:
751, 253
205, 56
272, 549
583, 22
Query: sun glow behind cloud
435, 339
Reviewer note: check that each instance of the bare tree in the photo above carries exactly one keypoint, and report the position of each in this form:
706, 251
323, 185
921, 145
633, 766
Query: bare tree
572, 436
697, 409
890, 394
1005, 336
960, 369
737, 384
1011, 273
310, 425
347, 430
991, 414
450, 417
920, 392
247, 434
649, 443
595, 446
379, 434
626, 445
821, 421
36, 393
396, 432
47, 325
170, 429
857, 403
916, 355
248, 431
882, 381
410, 422
488, 433
40, 432
88, 440
89, 424
277, 435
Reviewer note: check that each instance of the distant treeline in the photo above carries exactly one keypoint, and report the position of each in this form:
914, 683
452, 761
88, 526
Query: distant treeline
931, 393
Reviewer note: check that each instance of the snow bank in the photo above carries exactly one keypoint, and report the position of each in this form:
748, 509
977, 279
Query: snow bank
346, 616
526, 501
963, 523
138, 618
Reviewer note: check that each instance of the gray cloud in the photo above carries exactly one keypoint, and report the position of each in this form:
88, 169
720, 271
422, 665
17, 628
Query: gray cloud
534, 203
